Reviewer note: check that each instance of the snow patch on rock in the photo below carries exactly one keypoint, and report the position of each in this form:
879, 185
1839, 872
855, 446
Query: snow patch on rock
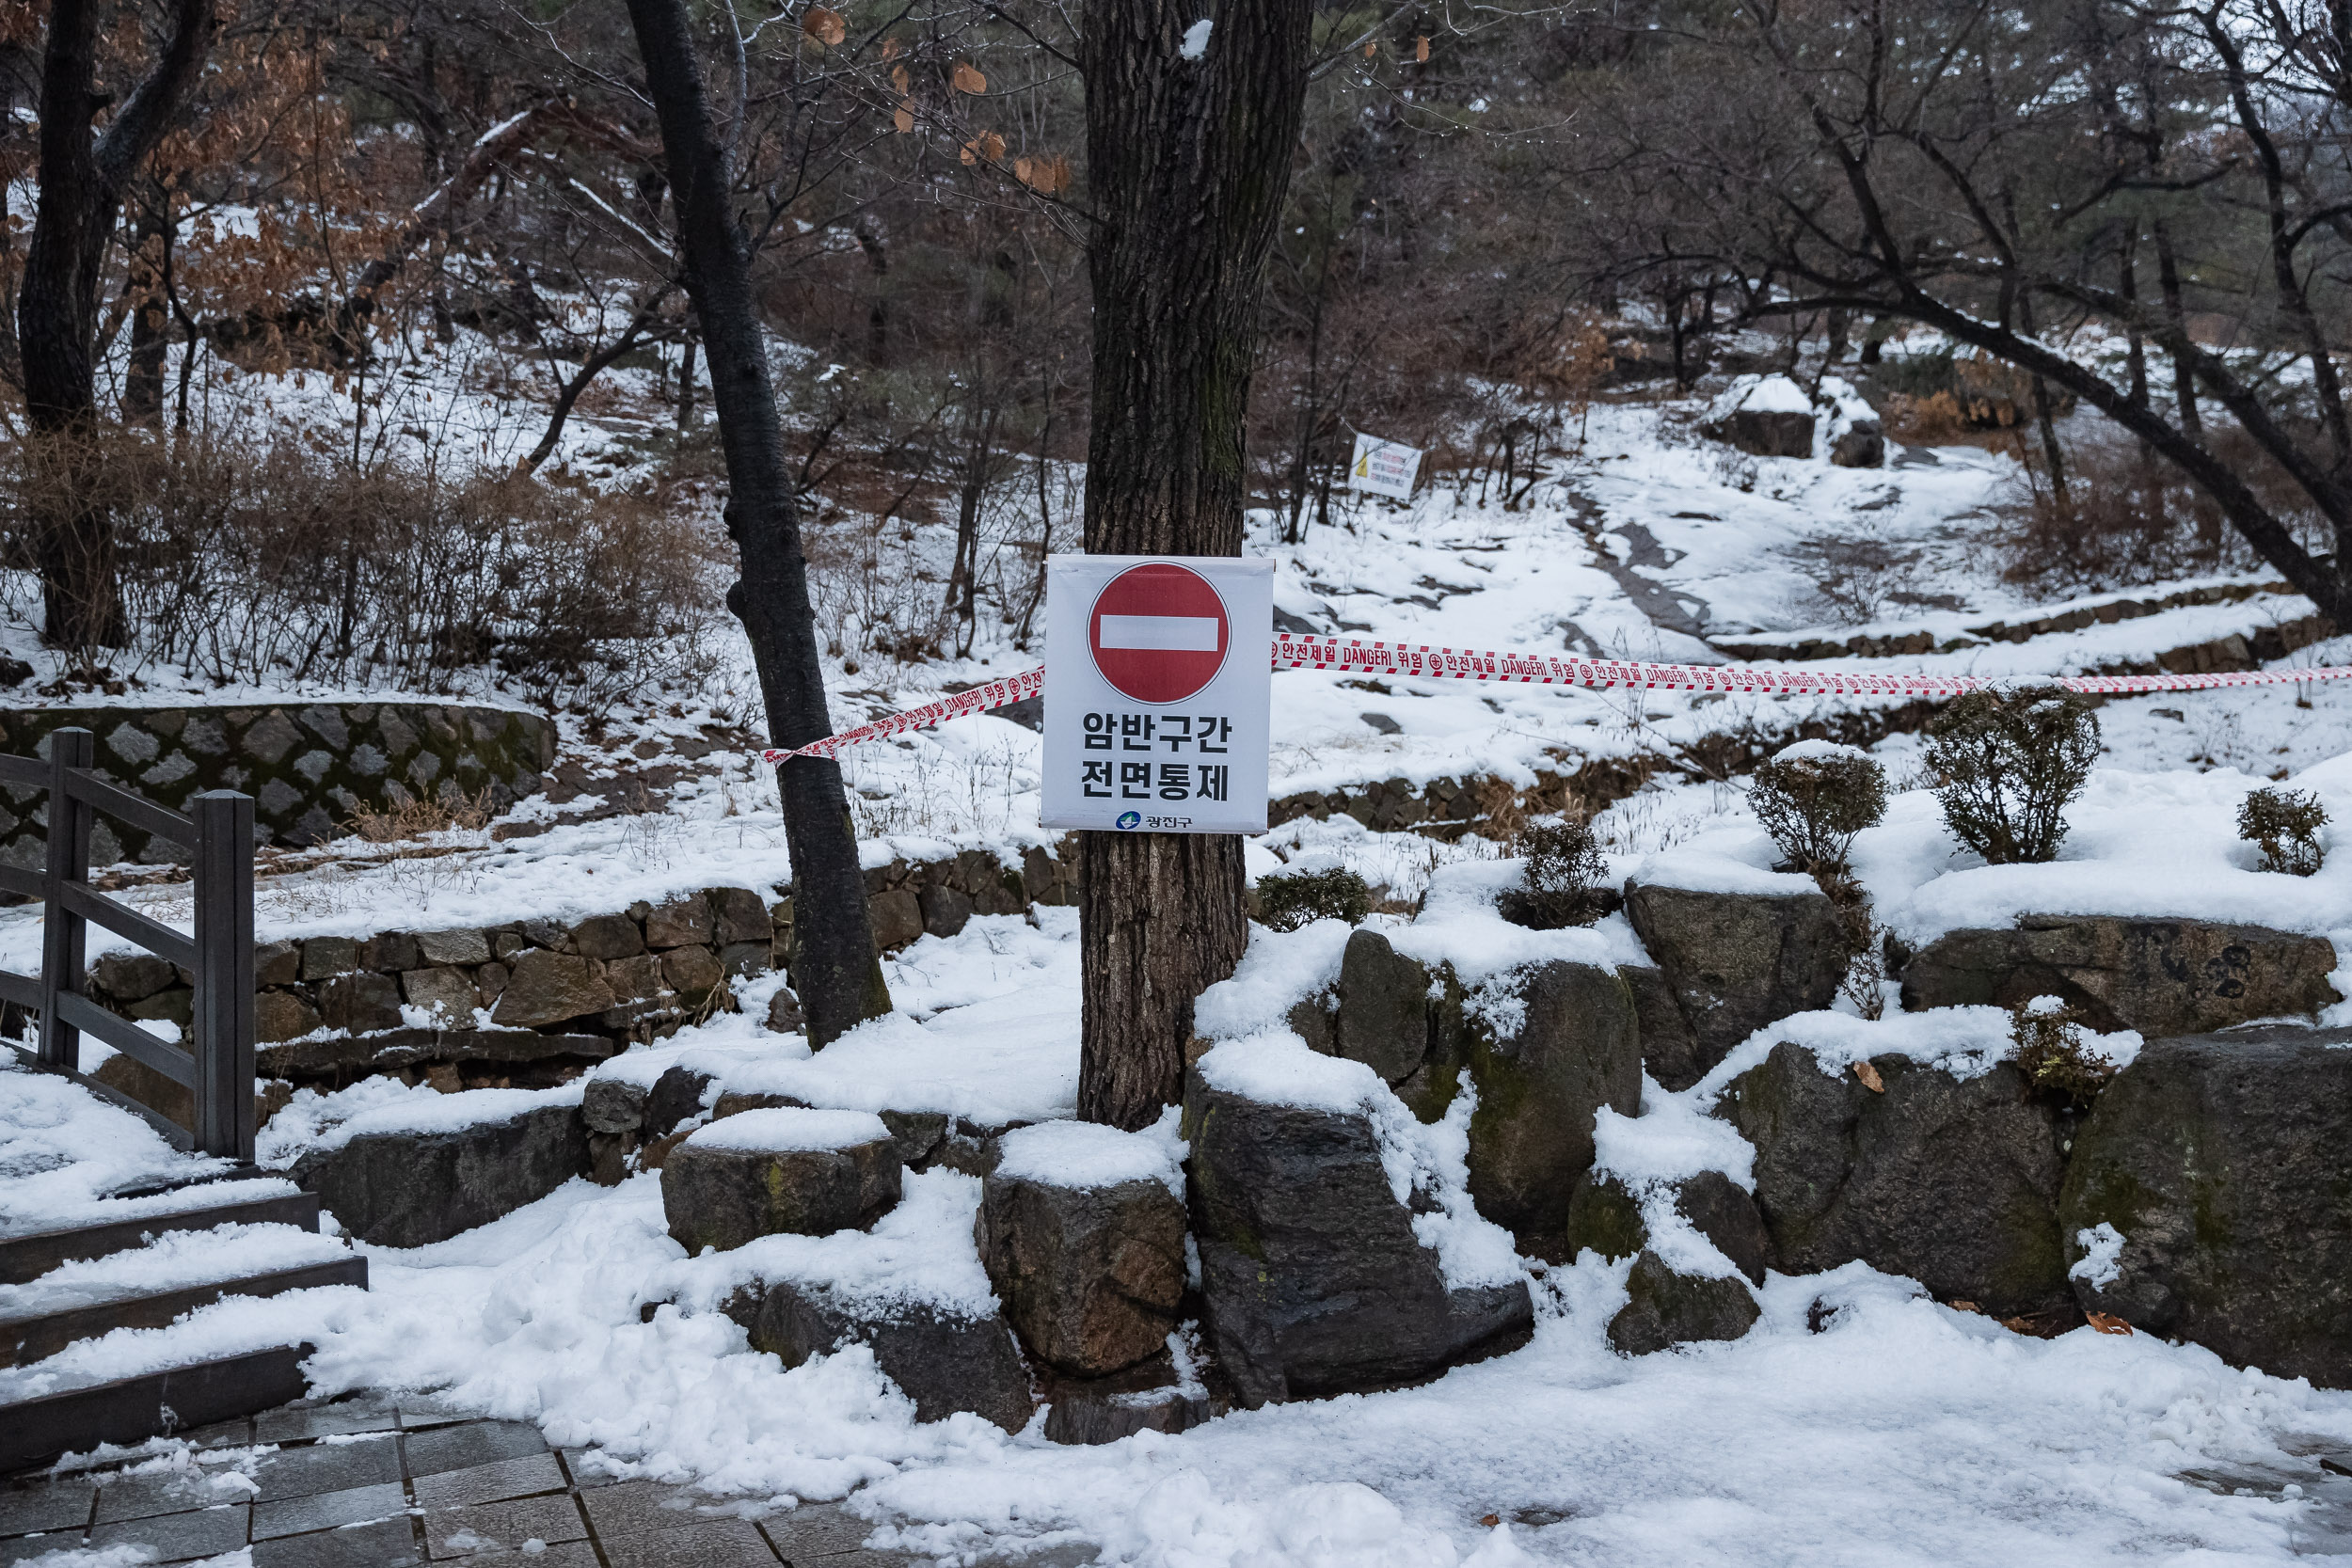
2101, 1264
1084, 1154
788, 1130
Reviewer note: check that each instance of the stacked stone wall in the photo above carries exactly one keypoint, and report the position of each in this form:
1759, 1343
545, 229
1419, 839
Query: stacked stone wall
309, 767
533, 1001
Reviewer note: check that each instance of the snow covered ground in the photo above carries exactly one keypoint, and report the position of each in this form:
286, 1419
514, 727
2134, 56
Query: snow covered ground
1858, 1423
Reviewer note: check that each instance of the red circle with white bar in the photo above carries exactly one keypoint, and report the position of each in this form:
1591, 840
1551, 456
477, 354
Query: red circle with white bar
1158, 632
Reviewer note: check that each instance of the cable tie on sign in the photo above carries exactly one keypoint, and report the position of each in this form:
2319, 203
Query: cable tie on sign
1308, 652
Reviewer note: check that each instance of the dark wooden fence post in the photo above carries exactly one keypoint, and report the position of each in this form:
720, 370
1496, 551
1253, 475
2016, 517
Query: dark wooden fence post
64, 936
223, 1036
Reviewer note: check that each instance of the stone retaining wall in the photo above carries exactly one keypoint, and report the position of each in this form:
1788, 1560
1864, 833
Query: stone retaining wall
2284, 639
559, 996
308, 767
1447, 808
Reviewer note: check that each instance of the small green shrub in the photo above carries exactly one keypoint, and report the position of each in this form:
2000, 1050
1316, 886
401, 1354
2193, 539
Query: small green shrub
2009, 762
1814, 797
1566, 877
2049, 1039
1288, 900
2285, 823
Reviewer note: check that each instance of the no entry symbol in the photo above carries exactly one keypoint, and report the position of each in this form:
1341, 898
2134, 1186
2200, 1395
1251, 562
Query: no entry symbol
1158, 632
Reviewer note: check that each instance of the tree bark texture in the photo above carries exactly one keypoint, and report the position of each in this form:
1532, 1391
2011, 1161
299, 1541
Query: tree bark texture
833, 966
82, 175
151, 306
1188, 162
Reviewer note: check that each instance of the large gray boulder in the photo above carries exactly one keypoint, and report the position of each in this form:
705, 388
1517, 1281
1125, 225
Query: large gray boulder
1313, 1280
1765, 432
1670, 1053
1082, 1232
408, 1188
1384, 1009
941, 1359
2158, 976
774, 1171
1577, 1048
1531, 1137
1952, 1181
613, 1106
2224, 1164
1738, 961
1666, 1308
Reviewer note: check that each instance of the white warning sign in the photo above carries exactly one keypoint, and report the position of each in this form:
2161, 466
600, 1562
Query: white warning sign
1157, 679
1384, 468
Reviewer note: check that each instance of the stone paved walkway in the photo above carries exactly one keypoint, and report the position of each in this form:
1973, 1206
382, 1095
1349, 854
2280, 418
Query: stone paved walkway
367, 1484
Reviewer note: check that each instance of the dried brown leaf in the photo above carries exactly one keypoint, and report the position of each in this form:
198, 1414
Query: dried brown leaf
1044, 176
904, 117
899, 80
986, 148
1420, 50
890, 51
824, 25
1870, 1076
967, 78
2108, 1323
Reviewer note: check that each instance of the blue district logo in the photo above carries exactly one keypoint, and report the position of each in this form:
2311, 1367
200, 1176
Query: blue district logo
1129, 819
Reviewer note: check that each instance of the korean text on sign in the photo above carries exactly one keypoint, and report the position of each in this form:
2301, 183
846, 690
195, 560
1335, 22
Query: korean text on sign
1159, 680
1383, 468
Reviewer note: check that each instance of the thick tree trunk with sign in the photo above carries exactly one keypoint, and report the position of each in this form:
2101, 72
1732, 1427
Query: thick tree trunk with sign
833, 966
1188, 161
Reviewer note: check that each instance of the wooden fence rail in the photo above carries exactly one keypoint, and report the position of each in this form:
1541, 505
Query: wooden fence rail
218, 1070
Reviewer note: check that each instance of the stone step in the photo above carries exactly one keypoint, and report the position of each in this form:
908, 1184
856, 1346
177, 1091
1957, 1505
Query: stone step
153, 1404
26, 1257
35, 1337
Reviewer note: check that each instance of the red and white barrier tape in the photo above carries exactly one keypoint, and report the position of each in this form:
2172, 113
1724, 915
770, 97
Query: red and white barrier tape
980, 699
1522, 668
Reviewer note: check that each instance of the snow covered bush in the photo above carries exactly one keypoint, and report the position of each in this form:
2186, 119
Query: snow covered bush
1566, 877
2050, 1052
1288, 900
2009, 762
2285, 823
1814, 797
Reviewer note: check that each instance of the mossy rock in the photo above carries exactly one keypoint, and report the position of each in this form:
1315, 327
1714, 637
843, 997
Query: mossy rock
2224, 1162
1954, 1181
1664, 1308
1578, 1048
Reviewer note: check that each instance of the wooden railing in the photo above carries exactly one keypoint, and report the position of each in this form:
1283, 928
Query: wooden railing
219, 1070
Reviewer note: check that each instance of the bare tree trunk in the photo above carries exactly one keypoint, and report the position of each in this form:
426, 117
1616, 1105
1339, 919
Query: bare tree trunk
2184, 378
876, 245
150, 309
833, 966
2061, 495
82, 180
980, 470
591, 367
1188, 162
